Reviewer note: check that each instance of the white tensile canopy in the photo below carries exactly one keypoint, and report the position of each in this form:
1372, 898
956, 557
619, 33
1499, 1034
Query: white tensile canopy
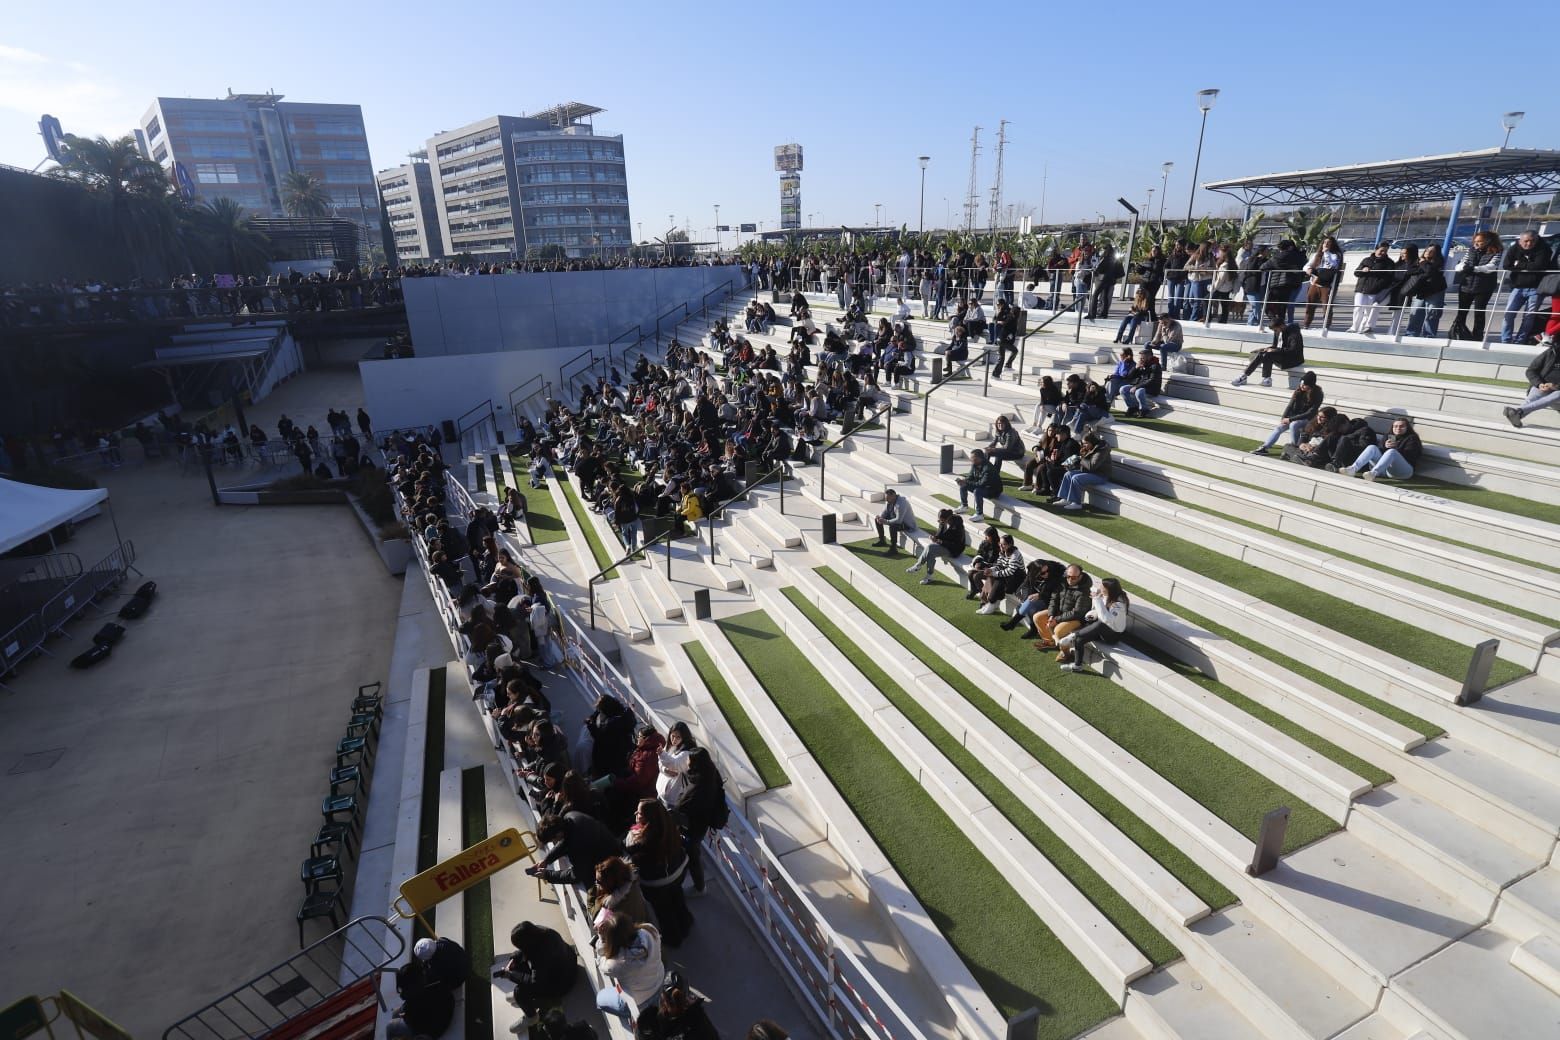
26, 511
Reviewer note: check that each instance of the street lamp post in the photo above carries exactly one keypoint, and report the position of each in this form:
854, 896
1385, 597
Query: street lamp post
877, 214
923, 160
1148, 207
1205, 100
717, 229
1164, 192
1509, 120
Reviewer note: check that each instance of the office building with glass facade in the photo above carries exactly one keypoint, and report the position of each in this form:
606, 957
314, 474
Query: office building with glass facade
509, 186
244, 145
411, 212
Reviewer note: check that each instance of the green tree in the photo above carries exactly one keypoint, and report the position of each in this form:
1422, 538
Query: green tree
1308, 230
130, 195
304, 195
223, 238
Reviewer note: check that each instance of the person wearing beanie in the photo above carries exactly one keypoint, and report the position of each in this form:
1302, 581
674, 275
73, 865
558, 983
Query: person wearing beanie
1304, 403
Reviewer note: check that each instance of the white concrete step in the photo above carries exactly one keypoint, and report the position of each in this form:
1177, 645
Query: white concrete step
1531, 906
1471, 991
1108, 956
776, 531
735, 540
1175, 1003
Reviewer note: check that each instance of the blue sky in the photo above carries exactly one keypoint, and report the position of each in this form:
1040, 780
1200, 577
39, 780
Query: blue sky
1097, 98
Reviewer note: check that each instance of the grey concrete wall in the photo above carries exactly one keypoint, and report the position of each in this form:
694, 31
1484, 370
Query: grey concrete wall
481, 314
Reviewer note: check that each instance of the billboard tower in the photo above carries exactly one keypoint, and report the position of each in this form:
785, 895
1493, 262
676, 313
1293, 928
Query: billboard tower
788, 160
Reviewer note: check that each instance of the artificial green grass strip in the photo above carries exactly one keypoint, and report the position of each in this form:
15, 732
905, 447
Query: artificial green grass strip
1409, 373
1016, 959
1464, 494
432, 766
1150, 457
541, 512
1446, 657
1417, 579
1162, 849
1096, 889
498, 476
477, 910
1233, 791
1261, 649
753, 745
581, 517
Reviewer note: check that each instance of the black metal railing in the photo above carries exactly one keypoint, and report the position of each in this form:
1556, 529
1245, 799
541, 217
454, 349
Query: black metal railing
673, 310
672, 532
926, 398
517, 398
564, 375
1076, 305
637, 331
886, 413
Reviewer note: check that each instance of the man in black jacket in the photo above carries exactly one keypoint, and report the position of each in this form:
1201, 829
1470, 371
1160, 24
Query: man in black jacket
1303, 405
1068, 607
1286, 273
1526, 260
1543, 386
948, 543
1373, 280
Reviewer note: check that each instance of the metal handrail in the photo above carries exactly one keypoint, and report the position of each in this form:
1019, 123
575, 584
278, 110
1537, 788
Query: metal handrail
663, 317
563, 379
926, 398
255, 1009
514, 404
460, 424
668, 535
1076, 305
636, 330
888, 442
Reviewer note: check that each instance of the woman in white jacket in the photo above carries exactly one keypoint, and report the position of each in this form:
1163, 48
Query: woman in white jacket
671, 784
630, 958
1105, 623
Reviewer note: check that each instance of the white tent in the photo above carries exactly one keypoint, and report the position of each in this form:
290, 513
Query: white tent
26, 511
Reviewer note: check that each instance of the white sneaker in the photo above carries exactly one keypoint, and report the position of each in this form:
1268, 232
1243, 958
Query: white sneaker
1067, 640
1071, 666
977, 519
989, 608
1267, 382
1074, 506
926, 580
911, 569
1238, 381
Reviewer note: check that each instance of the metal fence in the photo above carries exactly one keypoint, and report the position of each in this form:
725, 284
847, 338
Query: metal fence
29, 635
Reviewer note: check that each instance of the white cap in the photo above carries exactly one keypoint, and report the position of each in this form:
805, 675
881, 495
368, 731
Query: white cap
423, 950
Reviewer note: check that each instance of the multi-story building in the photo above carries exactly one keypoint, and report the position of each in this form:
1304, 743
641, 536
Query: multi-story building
243, 147
411, 211
510, 185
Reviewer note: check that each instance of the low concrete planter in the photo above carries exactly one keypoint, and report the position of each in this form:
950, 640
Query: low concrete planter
394, 553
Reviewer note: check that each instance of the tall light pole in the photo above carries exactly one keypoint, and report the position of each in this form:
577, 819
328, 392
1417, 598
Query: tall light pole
717, 229
1148, 207
1509, 120
1205, 100
923, 160
877, 214
1164, 191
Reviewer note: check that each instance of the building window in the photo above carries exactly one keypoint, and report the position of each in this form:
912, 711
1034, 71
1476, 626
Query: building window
154, 128
160, 153
216, 173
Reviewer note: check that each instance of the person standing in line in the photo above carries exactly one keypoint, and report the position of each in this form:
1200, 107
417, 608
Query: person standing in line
1428, 293
1325, 268
1525, 263
1477, 277
1373, 280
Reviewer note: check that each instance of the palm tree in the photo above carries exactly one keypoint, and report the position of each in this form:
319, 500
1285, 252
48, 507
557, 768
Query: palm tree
130, 195
304, 195
221, 231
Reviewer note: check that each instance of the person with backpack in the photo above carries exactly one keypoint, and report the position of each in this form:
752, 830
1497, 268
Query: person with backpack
1304, 404
1286, 351
948, 543
703, 808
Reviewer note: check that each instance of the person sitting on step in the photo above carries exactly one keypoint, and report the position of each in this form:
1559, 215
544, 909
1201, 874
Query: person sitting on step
1303, 406
1065, 613
1003, 577
1543, 375
896, 522
948, 543
984, 481
1146, 383
1106, 622
1092, 468
1395, 456
985, 558
1286, 351
1042, 578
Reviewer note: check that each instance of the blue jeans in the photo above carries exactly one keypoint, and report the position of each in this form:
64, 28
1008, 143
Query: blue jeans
612, 1002
1389, 463
1082, 416
965, 490
1525, 302
1075, 483
631, 531
1196, 294
1294, 429
1165, 350
1539, 399
1128, 329
1177, 299
1426, 315
1138, 399
1113, 388
1254, 310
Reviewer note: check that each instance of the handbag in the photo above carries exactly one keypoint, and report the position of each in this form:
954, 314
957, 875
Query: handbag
1549, 285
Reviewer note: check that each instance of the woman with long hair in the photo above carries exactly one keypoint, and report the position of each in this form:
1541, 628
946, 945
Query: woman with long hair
1428, 294
1325, 268
655, 847
1106, 623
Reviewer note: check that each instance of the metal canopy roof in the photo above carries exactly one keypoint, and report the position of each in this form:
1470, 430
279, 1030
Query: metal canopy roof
1431, 178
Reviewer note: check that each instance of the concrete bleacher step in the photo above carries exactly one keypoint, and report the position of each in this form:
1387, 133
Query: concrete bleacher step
1474, 990
1294, 988
1493, 577
1106, 954
774, 529
1489, 434
906, 918
1531, 907
1521, 640
737, 541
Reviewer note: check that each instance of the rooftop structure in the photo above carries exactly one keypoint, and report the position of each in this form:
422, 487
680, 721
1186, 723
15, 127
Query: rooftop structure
1430, 178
